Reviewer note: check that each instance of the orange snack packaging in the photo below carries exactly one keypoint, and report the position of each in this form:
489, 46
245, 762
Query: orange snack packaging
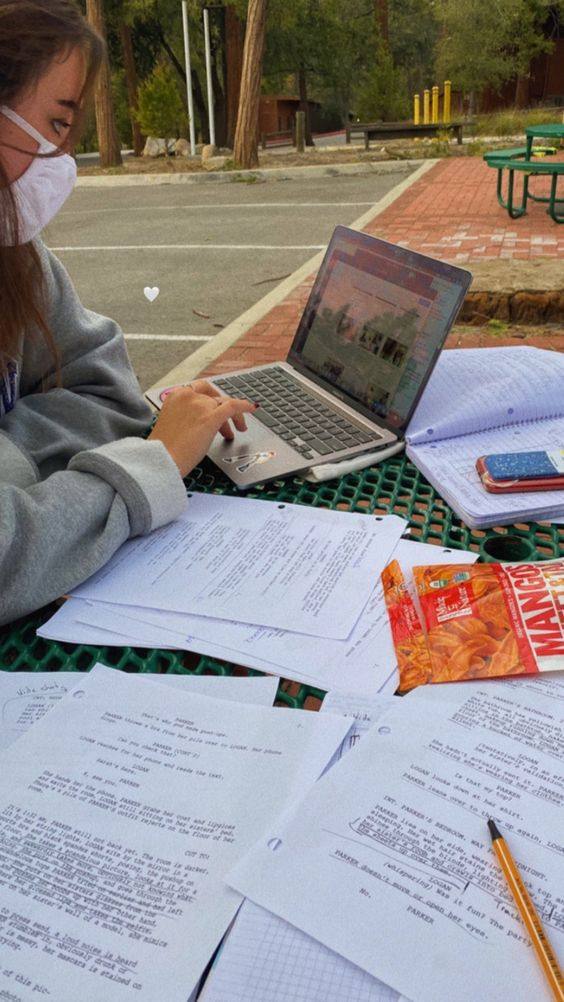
410, 642
476, 621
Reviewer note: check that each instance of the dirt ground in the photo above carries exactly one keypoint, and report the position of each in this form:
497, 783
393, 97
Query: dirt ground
392, 150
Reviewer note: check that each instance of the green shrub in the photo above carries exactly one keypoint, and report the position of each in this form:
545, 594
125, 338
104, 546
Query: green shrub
161, 111
382, 94
439, 145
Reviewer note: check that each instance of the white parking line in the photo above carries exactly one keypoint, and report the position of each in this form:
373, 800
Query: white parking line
217, 205
191, 367
168, 337
155, 247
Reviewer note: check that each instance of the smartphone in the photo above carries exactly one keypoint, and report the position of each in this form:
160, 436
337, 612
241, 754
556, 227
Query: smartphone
522, 471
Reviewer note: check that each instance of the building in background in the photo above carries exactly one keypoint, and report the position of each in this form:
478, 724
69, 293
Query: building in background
277, 115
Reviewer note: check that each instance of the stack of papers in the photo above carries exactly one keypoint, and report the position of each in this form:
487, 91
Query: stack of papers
121, 810
488, 400
134, 818
280, 588
392, 849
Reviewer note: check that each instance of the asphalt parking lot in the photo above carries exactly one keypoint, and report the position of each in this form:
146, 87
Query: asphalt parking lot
212, 250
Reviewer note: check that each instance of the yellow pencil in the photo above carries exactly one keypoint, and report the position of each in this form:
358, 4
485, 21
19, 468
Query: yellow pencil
539, 939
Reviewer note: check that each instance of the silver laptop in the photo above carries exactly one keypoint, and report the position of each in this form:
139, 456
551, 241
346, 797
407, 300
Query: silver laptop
371, 332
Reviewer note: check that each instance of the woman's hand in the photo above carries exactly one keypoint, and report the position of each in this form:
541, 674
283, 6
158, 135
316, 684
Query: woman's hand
190, 418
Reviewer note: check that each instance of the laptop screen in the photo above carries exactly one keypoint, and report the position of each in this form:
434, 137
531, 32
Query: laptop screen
375, 322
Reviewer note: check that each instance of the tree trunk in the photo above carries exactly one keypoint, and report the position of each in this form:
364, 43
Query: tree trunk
108, 139
131, 83
234, 41
381, 11
304, 104
245, 150
522, 92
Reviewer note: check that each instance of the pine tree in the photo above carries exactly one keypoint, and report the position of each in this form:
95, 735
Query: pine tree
161, 111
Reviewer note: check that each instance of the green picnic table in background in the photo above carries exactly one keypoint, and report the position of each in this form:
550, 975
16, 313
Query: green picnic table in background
529, 161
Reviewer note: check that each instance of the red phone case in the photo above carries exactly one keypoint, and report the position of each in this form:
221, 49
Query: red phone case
516, 486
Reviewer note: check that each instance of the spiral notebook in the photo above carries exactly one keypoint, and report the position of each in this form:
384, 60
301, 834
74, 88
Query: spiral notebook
486, 400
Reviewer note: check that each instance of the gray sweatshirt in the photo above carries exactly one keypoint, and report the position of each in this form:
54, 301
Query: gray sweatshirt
76, 478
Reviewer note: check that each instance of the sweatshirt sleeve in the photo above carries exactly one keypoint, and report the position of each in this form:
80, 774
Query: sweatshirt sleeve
98, 399
56, 533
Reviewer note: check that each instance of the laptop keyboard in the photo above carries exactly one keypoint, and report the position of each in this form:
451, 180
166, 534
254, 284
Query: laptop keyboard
308, 424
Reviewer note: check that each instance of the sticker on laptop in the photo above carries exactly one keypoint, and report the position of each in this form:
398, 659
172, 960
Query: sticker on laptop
249, 460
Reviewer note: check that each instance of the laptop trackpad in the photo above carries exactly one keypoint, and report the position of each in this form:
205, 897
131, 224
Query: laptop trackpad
256, 450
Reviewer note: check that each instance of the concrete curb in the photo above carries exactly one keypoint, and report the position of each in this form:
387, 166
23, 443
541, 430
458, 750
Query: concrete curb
251, 176
188, 369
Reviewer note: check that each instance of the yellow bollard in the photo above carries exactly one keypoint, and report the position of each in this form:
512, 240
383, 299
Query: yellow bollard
416, 109
425, 107
435, 106
446, 102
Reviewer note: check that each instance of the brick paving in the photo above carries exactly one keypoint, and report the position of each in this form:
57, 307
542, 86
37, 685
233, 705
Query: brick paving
451, 213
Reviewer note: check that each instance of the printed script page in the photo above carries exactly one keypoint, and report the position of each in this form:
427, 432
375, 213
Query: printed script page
120, 811
396, 834
26, 696
306, 569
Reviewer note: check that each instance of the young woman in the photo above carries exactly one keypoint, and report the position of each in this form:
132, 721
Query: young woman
76, 477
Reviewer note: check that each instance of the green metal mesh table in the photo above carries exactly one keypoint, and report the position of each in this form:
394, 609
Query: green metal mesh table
395, 486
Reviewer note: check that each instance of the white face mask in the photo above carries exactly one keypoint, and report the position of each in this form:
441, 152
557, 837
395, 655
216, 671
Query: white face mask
44, 187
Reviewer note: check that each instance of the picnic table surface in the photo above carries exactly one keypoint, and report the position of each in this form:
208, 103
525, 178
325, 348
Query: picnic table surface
554, 130
392, 487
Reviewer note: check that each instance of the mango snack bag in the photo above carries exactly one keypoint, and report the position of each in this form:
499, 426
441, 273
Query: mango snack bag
489, 620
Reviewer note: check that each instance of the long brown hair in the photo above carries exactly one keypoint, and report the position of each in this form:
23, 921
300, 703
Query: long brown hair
32, 34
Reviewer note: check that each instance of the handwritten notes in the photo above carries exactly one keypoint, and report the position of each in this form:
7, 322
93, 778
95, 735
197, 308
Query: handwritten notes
120, 811
476, 403
396, 833
304, 569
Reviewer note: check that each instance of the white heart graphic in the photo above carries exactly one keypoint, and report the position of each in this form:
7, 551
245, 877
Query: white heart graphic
151, 293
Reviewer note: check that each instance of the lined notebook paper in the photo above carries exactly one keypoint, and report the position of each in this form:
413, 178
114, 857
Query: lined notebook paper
486, 400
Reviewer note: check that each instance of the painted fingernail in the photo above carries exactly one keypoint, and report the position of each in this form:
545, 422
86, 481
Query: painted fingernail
256, 404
